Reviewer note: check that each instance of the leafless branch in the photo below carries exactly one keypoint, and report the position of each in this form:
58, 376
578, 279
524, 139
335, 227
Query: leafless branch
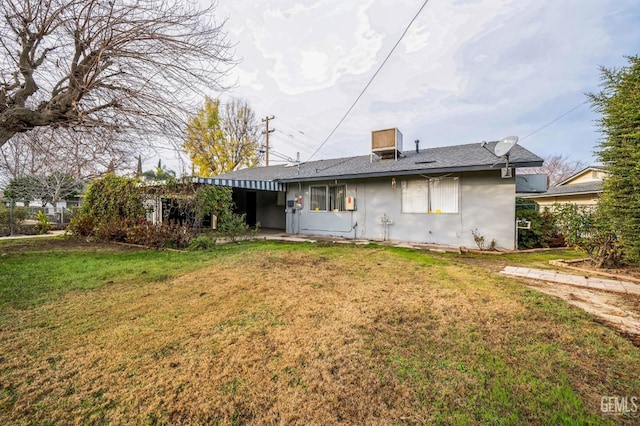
127, 65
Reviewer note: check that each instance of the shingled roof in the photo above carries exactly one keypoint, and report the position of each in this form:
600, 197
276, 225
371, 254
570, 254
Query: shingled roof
448, 159
593, 187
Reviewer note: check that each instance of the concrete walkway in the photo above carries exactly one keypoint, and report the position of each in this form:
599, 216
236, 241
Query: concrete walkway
19, 237
575, 280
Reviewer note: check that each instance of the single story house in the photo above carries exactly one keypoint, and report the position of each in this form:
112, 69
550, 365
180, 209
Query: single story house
433, 195
583, 188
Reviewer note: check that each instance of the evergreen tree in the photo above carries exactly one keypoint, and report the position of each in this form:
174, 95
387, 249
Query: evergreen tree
619, 151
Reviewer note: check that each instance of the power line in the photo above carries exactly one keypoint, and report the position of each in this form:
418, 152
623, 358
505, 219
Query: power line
370, 80
554, 120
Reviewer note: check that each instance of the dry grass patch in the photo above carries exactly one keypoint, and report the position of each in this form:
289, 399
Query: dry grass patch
311, 335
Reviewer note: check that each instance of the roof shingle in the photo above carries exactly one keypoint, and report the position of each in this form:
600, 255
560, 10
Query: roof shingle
457, 158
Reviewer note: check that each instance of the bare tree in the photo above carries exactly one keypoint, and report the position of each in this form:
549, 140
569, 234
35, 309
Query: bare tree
558, 167
126, 65
242, 129
80, 155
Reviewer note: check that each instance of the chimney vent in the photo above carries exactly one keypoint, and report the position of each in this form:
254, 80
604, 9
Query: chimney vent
417, 146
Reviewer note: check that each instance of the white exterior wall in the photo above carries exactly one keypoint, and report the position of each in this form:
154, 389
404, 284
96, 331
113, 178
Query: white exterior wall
486, 203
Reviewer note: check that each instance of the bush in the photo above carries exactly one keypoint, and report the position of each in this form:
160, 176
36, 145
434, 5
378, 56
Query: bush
234, 227
113, 210
543, 232
113, 198
114, 230
19, 214
586, 228
171, 235
203, 242
82, 225
43, 224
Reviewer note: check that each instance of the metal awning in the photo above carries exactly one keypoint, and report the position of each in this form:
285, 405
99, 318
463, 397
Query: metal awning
258, 185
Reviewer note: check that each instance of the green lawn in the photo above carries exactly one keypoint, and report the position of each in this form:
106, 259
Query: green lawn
265, 333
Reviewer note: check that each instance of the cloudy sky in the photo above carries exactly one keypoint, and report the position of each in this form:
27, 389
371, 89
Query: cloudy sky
466, 71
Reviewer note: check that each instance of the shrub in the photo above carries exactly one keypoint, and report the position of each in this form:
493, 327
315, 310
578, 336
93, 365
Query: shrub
234, 227
543, 232
82, 225
480, 241
586, 228
42, 225
19, 215
114, 230
113, 198
166, 235
203, 242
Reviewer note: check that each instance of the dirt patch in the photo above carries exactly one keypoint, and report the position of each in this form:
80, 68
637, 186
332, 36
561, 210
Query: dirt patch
620, 311
22, 245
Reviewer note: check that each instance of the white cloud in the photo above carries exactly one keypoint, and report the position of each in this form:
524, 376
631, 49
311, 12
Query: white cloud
466, 71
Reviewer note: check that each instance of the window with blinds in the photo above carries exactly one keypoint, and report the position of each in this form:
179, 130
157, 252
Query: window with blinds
337, 198
318, 198
444, 195
331, 198
433, 195
415, 196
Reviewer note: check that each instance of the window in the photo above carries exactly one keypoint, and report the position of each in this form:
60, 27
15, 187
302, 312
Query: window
318, 198
443, 195
414, 196
336, 198
433, 195
330, 198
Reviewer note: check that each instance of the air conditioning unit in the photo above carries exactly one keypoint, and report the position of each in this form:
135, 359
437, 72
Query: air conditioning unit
386, 143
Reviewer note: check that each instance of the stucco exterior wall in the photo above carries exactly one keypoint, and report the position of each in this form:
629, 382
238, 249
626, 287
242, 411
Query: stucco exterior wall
486, 203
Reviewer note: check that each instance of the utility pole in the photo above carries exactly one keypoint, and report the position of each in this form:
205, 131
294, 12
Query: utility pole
266, 133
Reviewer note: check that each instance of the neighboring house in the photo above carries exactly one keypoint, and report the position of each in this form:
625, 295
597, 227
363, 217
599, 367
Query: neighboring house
582, 188
57, 213
434, 195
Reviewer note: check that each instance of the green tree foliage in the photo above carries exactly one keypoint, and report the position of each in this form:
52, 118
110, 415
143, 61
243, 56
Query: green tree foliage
587, 228
222, 139
48, 189
619, 151
160, 174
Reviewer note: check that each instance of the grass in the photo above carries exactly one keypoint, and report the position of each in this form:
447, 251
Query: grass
261, 332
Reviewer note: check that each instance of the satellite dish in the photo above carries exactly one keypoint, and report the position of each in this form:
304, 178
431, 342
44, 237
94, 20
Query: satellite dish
505, 145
